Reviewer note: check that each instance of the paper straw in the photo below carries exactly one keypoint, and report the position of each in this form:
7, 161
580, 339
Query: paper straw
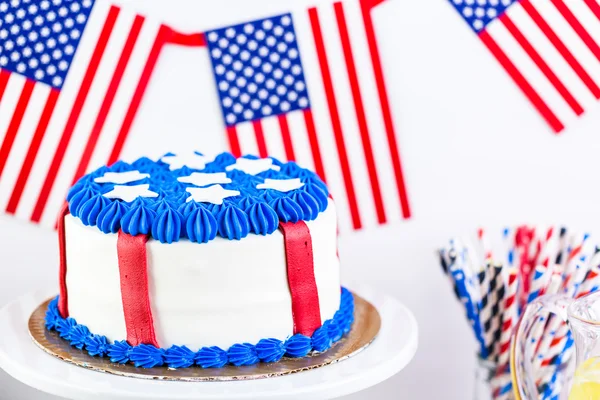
508, 239
539, 281
486, 307
591, 281
484, 244
562, 247
471, 311
494, 330
549, 247
509, 316
536, 260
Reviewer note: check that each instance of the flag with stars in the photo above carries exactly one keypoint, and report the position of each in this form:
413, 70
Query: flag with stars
309, 86
72, 76
550, 49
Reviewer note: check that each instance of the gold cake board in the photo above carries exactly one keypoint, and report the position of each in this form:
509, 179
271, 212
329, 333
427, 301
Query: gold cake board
365, 328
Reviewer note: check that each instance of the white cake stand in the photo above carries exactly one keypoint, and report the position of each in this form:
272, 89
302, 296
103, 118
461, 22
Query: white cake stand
391, 351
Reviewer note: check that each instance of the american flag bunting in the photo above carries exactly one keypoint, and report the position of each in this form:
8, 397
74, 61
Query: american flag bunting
72, 76
306, 86
550, 49
309, 86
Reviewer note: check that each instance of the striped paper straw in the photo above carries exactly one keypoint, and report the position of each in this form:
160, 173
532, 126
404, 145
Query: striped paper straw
508, 240
470, 308
509, 316
494, 328
484, 244
539, 282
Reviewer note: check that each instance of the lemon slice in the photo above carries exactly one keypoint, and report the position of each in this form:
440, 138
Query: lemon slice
586, 383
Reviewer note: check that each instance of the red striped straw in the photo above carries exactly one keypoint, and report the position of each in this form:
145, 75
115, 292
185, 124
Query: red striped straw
486, 250
544, 342
509, 315
591, 282
523, 239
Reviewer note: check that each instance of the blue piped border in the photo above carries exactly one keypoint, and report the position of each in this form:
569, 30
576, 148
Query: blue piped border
148, 356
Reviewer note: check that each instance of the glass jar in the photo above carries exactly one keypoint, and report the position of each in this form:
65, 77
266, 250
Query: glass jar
492, 382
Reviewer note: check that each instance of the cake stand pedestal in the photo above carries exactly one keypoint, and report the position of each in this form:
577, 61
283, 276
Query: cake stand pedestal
391, 351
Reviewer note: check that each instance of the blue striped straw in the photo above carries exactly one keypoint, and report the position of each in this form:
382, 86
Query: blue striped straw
537, 285
458, 276
550, 391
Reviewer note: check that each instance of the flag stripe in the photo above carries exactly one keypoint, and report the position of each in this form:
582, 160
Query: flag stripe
541, 64
520, 80
234, 143
561, 47
335, 119
162, 37
273, 136
75, 112
311, 131
260, 138
15, 123
594, 7
247, 136
286, 137
366, 7
4, 76
360, 111
33, 150
109, 96
577, 27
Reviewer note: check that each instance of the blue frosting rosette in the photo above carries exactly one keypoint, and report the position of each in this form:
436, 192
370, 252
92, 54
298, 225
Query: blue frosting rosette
196, 197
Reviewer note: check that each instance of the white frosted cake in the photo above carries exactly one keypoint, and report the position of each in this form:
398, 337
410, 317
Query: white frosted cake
195, 260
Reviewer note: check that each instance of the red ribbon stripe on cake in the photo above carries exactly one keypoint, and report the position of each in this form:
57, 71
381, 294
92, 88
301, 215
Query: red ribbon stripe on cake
133, 270
63, 299
301, 277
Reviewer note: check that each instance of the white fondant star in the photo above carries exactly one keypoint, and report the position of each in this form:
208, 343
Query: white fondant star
190, 160
253, 167
205, 179
121, 177
281, 185
213, 194
130, 193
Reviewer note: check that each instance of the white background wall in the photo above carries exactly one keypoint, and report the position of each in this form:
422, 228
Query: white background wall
474, 152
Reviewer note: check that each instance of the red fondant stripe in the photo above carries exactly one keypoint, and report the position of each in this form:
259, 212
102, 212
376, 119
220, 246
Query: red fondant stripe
133, 270
109, 97
260, 139
34, 146
63, 300
301, 277
287, 139
335, 117
15, 123
78, 104
360, 111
